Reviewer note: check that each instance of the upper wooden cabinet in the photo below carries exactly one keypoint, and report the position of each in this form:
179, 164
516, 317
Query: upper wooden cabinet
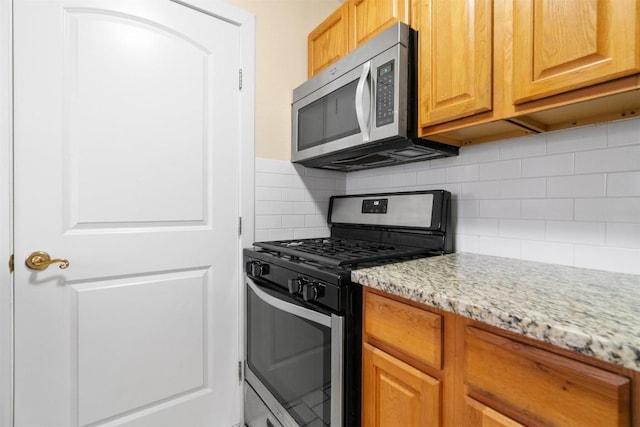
455, 49
329, 41
561, 45
370, 17
497, 69
351, 25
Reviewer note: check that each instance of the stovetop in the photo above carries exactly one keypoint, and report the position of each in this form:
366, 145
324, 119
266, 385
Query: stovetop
336, 251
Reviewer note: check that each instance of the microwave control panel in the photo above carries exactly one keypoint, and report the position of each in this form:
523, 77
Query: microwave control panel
385, 94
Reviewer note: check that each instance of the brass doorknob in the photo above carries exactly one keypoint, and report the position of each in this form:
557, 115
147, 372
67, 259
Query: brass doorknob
39, 260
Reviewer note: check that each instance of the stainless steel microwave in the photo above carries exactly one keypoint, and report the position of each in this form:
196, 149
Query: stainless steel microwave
361, 112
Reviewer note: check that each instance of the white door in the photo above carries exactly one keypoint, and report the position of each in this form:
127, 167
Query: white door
127, 123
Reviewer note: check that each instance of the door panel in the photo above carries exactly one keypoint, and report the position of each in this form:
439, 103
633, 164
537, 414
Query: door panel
127, 136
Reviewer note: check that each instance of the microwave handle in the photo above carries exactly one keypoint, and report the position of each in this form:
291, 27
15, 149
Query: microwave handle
360, 113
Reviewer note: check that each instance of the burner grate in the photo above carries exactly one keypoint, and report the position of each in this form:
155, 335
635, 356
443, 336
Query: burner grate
338, 251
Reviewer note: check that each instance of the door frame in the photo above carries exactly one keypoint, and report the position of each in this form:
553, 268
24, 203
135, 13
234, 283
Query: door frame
246, 22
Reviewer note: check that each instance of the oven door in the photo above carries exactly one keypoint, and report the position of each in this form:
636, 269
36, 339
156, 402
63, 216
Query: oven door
294, 357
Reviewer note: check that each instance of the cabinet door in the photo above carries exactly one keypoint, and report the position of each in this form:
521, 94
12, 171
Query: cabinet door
455, 42
329, 41
478, 415
396, 394
370, 17
561, 45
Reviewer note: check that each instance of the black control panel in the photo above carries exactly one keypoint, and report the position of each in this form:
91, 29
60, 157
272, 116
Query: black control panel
385, 94
375, 206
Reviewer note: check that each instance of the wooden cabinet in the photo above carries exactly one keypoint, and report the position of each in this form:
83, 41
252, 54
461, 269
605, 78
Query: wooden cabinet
496, 69
396, 394
483, 376
478, 415
561, 45
531, 382
371, 17
416, 332
351, 25
456, 59
329, 41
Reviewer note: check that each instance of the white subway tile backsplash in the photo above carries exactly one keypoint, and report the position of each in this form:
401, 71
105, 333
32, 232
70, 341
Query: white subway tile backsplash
521, 229
315, 220
267, 193
498, 246
528, 146
588, 233
604, 258
293, 194
278, 180
624, 184
523, 188
462, 173
304, 208
268, 165
480, 190
549, 252
570, 197
577, 186
548, 209
292, 201
623, 235
264, 222
559, 164
478, 226
430, 176
624, 132
280, 234
480, 153
465, 243
468, 208
608, 210
500, 209
506, 169
293, 221
578, 139
615, 159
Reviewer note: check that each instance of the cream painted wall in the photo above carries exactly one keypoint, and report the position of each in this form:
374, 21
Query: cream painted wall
282, 27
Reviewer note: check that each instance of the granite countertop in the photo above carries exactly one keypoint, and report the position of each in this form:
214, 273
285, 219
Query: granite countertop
592, 312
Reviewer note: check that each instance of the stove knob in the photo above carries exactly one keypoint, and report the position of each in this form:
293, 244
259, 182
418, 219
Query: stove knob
257, 269
295, 285
312, 291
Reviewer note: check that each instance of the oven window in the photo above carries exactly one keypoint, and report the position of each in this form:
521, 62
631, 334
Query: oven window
329, 118
292, 358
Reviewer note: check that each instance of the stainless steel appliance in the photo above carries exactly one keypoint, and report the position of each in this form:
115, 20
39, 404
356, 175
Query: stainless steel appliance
361, 112
304, 315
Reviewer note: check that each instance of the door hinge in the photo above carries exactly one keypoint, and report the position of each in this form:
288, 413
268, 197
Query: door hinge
11, 264
239, 225
240, 371
240, 79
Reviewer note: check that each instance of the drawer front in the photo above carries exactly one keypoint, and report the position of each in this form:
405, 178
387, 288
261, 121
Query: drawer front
415, 332
543, 386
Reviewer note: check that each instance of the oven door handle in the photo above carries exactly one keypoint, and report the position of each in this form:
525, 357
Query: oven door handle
305, 313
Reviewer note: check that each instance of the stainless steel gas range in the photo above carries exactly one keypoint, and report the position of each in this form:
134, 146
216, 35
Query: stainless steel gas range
304, 315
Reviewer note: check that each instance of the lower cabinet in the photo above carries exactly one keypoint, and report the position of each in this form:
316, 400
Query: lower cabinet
425, 367
397, 394
478, 415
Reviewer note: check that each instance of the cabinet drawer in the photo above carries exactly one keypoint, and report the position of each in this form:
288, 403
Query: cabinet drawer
415, 332
541, 385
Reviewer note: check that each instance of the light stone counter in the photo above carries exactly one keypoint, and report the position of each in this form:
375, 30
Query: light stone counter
592, 312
